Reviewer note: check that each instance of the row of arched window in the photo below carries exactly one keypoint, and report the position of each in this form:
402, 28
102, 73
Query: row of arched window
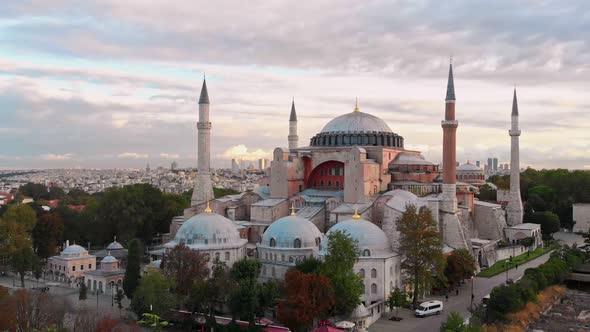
373, 289
373, 273
296, 243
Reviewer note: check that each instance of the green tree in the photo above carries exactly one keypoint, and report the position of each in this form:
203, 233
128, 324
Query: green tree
83, 292
421, 248
131, 279
47, 234
396, 299
268, 295
342, 254
21, 214
153, 295
455, 323
503, 300
310, 265
487, 193
549, 222
119, 296
244, 300
209, 295
460, 265
152, 322
36, 191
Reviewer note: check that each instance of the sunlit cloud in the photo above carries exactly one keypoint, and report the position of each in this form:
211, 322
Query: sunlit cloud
52, 156
242, 152
132, 155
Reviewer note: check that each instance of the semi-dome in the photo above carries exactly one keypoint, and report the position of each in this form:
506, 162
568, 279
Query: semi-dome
207, 230
371, 239
74, 249
356, 122
291, 232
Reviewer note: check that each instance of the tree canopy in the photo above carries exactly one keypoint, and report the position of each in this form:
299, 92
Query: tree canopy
421, 248
131, 278
184, 265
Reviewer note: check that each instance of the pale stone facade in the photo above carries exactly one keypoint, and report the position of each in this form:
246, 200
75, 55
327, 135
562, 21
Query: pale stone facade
71, 264
581, 216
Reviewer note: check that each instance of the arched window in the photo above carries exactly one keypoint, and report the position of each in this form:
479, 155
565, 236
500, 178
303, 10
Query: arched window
337, 184
297, 243
362, 273
367, 253
364, 288
322, 183
373, 288
273, 271
217, 255
283, 257
263, 270
374, 273
227, 255
329, 183
273, 242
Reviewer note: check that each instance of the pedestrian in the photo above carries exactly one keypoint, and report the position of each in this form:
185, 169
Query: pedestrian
457, 292
447, 297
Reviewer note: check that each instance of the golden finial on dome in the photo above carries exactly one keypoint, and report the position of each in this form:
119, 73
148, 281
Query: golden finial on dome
356, 215
356, 105
293, 209
208, 208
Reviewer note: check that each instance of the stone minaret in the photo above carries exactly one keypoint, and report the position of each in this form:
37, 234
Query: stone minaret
449, 125
293, 138
514, 208
203, 190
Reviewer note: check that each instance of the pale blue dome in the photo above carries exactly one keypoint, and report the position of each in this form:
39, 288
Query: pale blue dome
74, 249
109, 259
284, 232
115, 246
356, 122
207, 229
368, 235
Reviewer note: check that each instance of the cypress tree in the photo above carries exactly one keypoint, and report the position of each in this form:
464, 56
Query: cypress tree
131, 279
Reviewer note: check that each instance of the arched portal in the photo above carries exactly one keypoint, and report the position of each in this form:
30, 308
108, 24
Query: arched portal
327, 175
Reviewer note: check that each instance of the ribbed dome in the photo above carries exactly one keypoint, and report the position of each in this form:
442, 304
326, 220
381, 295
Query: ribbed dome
368, 235
286, 230
74, 249
205, 230
356, 122
115, 246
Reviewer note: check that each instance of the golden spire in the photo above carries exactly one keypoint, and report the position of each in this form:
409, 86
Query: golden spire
356, 105
293, 209
208, 208
356, 215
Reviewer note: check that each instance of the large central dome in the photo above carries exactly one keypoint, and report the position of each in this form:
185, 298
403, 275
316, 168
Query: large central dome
357, 128
356, 122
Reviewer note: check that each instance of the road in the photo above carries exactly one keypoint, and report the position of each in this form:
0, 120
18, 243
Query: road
460, 303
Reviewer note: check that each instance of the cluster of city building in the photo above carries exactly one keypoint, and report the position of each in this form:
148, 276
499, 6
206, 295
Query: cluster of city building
173, 180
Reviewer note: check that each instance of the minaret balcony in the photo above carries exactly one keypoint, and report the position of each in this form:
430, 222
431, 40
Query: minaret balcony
203, 125
449, 123
514, 132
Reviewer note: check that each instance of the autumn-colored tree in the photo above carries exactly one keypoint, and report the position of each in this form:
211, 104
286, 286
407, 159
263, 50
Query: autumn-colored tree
32, 311
421, 247
307, 296
460, 265
47, 233
184, 266
106, 324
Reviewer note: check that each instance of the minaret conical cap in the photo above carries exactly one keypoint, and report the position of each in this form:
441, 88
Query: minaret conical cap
514, 104
204, 98
450, 85
293, 116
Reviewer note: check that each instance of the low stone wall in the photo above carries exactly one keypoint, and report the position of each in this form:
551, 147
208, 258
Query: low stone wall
506, 252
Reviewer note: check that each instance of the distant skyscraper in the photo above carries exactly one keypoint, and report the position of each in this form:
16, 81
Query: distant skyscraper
235, 166
147, 168
266, 163
174, 166
477, 163
490, 164
261, 164
495, 164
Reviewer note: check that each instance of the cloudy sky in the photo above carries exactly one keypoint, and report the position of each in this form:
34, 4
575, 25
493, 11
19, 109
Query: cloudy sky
115, 83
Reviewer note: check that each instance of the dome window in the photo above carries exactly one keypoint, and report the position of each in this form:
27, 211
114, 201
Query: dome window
367, 253
273, 242
297, 243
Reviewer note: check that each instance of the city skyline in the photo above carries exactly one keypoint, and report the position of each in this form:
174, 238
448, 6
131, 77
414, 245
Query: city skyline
116, 85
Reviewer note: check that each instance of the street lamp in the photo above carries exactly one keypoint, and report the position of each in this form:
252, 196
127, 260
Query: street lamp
472, 295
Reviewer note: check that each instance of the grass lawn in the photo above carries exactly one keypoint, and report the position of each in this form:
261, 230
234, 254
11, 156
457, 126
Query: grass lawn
505, 264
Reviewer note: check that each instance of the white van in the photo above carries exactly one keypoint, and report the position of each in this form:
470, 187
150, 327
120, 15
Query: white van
429, 308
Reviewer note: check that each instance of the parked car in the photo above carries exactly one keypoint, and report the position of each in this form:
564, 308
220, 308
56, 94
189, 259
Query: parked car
429, 308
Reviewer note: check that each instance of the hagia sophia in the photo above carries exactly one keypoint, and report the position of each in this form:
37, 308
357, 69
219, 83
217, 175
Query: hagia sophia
354, 176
